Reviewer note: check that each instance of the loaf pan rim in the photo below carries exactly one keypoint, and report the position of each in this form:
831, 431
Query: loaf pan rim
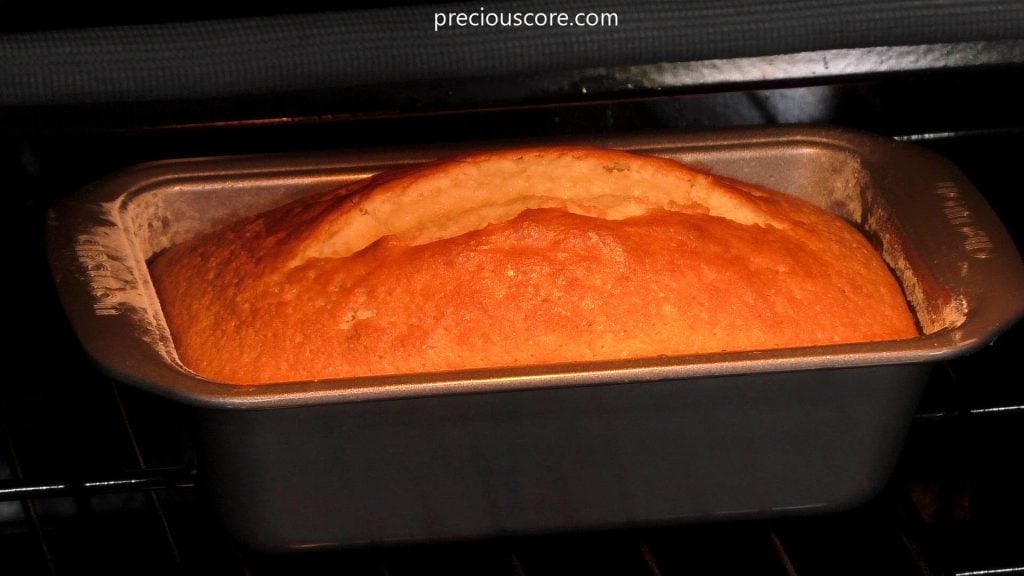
185, 386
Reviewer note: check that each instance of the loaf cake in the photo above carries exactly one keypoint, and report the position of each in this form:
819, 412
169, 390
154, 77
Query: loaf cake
521, 257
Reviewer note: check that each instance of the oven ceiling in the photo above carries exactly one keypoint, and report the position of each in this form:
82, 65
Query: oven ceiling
654, 43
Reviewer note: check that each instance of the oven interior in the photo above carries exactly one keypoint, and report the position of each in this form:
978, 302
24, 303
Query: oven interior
95, 474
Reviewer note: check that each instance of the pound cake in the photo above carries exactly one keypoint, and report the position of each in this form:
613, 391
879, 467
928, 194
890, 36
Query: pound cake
521, 257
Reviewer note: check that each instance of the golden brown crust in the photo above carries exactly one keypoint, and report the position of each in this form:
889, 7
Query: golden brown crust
714, 266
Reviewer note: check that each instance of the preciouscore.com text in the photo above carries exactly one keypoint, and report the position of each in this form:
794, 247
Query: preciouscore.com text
484, 18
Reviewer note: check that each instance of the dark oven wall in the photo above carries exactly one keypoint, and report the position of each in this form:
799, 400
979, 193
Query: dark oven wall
96, 474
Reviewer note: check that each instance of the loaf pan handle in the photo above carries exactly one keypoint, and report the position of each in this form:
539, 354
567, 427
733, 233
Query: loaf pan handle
950, 228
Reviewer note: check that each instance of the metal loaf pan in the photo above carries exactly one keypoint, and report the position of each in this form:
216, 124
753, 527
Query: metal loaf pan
443, 456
